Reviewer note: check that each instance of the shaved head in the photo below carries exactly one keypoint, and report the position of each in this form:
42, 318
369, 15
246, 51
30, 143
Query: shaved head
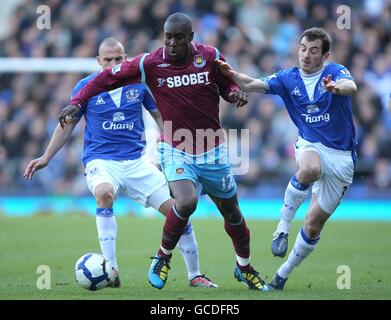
110, 53
110, 42
180, 19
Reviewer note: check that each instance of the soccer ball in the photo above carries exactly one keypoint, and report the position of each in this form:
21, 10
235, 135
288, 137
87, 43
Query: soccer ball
93, 271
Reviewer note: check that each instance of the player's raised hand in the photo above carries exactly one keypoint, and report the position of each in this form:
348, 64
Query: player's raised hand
68, 114
225, 68
239, 97
330, 85
34, 166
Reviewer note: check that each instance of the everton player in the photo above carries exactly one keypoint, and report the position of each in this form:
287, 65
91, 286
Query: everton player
184, 79
318, 99
114, 161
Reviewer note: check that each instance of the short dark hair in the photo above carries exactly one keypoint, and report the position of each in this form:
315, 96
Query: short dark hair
180, 17
318, 33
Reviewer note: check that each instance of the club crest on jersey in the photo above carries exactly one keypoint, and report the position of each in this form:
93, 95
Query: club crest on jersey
132, 95
179, 170
199, 61
94, 171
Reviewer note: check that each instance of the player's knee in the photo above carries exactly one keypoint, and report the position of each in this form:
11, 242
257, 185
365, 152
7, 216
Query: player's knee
231, 213
310, 172
104, 196
312, 229
186, 205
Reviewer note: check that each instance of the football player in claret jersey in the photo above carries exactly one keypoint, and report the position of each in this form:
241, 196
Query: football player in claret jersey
114, 161
318, 99
184, 79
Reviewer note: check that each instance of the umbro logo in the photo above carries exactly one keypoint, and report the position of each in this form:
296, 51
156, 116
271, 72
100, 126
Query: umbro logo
164, 65
100, 101
296, 92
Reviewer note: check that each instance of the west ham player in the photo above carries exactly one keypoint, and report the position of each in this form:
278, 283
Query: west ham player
318, 100
113, 159
184, 79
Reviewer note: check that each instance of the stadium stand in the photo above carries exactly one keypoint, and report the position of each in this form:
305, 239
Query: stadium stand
257, 37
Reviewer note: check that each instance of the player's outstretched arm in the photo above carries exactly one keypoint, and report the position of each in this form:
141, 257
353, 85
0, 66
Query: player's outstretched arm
59, 138
389, 104
343, 87
245, 82
111, 78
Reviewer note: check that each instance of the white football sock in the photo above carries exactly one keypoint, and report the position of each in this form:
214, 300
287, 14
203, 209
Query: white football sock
302, 248
107, 233
292, 200
188, 247
242, 261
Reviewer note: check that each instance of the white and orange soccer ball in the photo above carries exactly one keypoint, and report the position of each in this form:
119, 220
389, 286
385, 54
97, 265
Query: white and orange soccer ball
93, 271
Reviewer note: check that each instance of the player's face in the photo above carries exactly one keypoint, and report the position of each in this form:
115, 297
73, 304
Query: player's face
311, 58
110, 56
177, 39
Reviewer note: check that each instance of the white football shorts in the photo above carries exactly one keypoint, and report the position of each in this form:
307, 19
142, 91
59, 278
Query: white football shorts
139, 179
337, 173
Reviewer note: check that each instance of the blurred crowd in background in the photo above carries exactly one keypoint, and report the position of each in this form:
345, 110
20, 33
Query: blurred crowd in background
257, 37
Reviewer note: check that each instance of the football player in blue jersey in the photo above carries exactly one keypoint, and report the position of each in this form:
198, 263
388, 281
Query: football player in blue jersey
318, 99
114, 160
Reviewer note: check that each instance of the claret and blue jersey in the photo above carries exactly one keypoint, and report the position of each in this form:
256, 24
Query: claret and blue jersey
326, 118
114, 126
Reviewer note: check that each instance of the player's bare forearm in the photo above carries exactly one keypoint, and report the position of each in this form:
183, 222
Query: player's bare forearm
156, 115
389, 105
59, 138
343, 87
247, 83
346, 87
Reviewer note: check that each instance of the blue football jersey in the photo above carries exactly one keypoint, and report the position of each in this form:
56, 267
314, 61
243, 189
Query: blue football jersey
114, 126
327, 118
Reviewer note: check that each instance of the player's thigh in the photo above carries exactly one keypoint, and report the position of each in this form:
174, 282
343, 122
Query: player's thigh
217, 180
184, 185
186, 197
141, 179
178, 171
161, 200
309, 163
335, 181
101, 173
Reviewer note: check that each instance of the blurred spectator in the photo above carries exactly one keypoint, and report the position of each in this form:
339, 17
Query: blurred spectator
257, 37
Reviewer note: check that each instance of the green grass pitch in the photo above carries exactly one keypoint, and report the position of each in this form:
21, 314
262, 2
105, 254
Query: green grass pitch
58, 241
